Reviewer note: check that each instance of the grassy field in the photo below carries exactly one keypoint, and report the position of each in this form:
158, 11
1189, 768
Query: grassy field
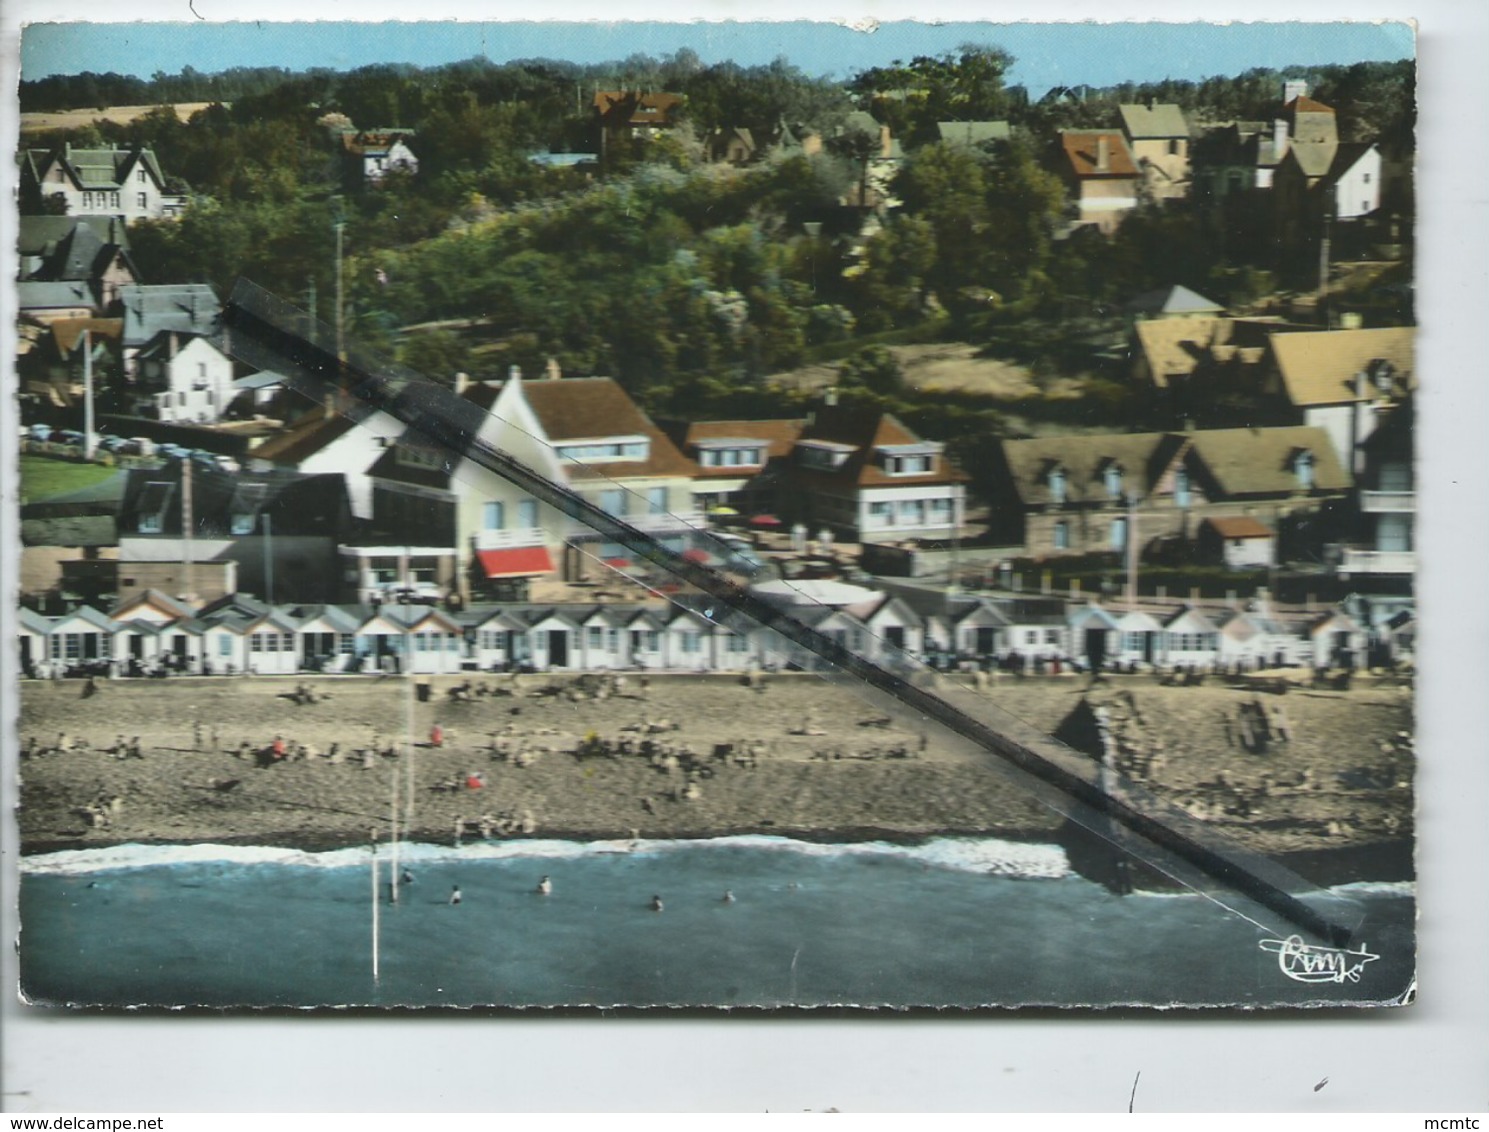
42, 477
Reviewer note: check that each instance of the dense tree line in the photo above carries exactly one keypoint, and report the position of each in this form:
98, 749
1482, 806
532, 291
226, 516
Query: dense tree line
686, 280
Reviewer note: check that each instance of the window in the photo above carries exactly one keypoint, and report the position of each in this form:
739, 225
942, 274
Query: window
1181, 488
1113, 480
140, 177
596, 636
1119, 534
1057, 485
87, 200
1173, 147
224, 645
242, 522
1366, 178
912, 512
527, 514
1052, 636
1062, 535
144, 200
114, 200
689, 641
613, 501
1303, 469
346, 643
735, 643
493, 515
656, 500
881, 514
1133, 642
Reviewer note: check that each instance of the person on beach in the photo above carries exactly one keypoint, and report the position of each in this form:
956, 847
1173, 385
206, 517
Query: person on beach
545, 887
455, 894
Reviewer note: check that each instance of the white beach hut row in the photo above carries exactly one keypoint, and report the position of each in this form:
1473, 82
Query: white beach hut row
153, 633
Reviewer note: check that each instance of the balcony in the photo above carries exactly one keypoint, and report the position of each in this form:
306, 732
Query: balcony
1388, 502
509, 539
667, 521
1378, 561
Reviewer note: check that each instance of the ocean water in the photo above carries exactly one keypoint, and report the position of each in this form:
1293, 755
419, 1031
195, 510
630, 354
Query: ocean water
952, 922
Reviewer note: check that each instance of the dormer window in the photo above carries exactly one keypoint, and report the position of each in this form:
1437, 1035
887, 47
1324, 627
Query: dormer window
917, 459
730, 454
824, 454
1057, 485
1182, 488
1303, 469
608, 449
1112, 478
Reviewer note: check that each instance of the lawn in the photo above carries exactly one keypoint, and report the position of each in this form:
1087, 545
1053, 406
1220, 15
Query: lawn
42, 477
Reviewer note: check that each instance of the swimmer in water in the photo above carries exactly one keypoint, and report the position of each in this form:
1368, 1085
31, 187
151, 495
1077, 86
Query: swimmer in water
656, 903
406, 878
455, 894
728, 896
545, 887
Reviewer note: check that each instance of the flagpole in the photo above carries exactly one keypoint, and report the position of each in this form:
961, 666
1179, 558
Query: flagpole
375, 976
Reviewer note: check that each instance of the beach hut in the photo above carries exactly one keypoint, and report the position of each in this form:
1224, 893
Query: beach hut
1190, 638
382, 641
980, 631
327, 638
435, 639
553, 633
738, 642
82, 639
1337, 640
224, 642
271, 644
896, 633
687, 641
498, 636
1095, 635
1141, 638
32, 631
600, 645
643, 639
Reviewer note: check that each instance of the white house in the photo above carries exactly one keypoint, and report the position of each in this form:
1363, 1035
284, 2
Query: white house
183, 378
100, 182
1353, 181
1189, 637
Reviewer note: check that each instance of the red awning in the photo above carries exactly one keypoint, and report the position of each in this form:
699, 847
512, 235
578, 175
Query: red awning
519, 562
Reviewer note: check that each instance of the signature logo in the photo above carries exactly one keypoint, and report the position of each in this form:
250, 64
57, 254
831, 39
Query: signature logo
1309, 964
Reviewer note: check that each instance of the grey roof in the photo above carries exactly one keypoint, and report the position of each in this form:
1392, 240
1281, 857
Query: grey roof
70, 247
972, 133
97, 168
1156, 120
1173, 300
261, 380
35, 622
38, 295
190, 308
70, 530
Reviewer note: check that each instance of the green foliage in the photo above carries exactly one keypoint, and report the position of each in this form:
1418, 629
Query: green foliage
873, 369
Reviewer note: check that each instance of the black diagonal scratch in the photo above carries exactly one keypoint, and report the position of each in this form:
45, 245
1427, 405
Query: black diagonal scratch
1133, 1097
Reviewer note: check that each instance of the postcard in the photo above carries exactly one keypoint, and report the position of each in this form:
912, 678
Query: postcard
887, 525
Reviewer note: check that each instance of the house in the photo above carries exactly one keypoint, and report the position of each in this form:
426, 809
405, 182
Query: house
1387, 498
149, 310
32, 633
1198, 367
972, 135
626, 114
1100, 170
47, 301
1158, 137
258, 394
372, 154
80, 640
1352, 186
1240, 542
181, 378
281, 530
93, 250
53, 371
740, 464
1342, 381
866, 477
96, 182
1065, 495
1173, 302
730, 145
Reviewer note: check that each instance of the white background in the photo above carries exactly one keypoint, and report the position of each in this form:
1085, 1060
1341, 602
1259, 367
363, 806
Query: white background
1433, 1057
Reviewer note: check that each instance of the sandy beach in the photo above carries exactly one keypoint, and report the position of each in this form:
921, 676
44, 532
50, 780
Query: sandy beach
804, 757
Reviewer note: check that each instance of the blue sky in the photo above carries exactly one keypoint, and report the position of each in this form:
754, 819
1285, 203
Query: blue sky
1047, 54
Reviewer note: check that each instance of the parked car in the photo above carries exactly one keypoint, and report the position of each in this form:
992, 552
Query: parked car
41, 432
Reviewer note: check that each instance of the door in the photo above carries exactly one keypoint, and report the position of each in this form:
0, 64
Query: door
26, 663
1096, 648
558, 648
987, 642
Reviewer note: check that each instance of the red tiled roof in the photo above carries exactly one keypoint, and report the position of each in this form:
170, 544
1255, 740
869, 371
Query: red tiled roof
305, 438
1305, 105
518, 562
1080, 151
1241, 526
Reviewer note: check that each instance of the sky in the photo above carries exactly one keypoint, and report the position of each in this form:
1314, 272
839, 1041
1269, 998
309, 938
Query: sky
1047, 54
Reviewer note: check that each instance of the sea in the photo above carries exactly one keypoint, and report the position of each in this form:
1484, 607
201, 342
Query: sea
946, 923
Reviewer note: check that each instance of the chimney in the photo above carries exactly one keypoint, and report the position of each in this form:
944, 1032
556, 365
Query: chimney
462, 383
830, 396
1103, 154
1279, 139
552, 371
173, 345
